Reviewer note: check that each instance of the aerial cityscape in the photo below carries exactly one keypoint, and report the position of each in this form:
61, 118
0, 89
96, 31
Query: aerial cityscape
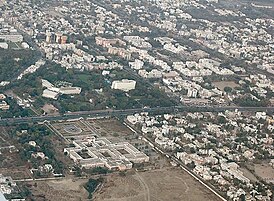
137, 100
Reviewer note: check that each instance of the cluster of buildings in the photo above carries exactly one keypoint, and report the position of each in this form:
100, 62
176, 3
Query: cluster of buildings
53, 92
215, 145
90, 152
8, 187
3, 104
184, 47
32, 68
9, 34
198, 54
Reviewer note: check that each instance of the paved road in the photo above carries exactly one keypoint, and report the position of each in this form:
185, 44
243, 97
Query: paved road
105, 113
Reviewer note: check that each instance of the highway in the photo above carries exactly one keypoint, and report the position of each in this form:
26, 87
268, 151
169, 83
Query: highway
105, 113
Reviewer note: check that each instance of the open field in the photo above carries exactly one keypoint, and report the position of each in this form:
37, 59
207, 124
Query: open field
249, 174
155, 185
222, 84
17, 173
265, 171
63, 190
111, 127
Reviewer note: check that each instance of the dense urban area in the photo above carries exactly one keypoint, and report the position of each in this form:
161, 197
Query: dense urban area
137, 100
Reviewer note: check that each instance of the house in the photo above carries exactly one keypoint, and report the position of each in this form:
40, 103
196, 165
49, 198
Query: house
4, 105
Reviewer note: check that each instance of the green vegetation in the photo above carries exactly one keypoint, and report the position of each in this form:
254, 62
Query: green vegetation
12, 62
91, 186
247, 101
15, 110
228, 89
25, 133
96, 90
100, 170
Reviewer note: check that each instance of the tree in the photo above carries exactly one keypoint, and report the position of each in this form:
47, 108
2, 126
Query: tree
242, 197
221, 120
91, 186
227, 89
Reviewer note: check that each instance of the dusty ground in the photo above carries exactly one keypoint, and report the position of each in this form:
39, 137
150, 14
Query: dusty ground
265, 171
249, 174
50, 109
156, 185
63, 190
222, 84
111, 127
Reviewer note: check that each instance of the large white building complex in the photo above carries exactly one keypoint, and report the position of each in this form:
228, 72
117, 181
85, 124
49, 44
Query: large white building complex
53, 92
90, 152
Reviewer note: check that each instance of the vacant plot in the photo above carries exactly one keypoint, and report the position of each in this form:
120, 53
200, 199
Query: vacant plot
265, 171
49, 109
222, 84
17, 173
156, 185
111, 127
61, 190
249, 174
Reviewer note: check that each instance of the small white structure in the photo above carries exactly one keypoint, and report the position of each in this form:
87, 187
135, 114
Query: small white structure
25, 45
4, 45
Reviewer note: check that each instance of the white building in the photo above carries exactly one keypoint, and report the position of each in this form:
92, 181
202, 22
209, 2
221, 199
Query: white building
4, 105
50, 94
70, 90
192, 93
4, 45
124, 85
12, 37
137, 64
100, 152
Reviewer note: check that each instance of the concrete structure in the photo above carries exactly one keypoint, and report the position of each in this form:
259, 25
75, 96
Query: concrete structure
7, 186
2, 197
4, 105
70, 90
4, 45
64, 39
50, 94
58, 37
48, 37
25, 45
90, 152
46, 84
12, 37
124, 85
